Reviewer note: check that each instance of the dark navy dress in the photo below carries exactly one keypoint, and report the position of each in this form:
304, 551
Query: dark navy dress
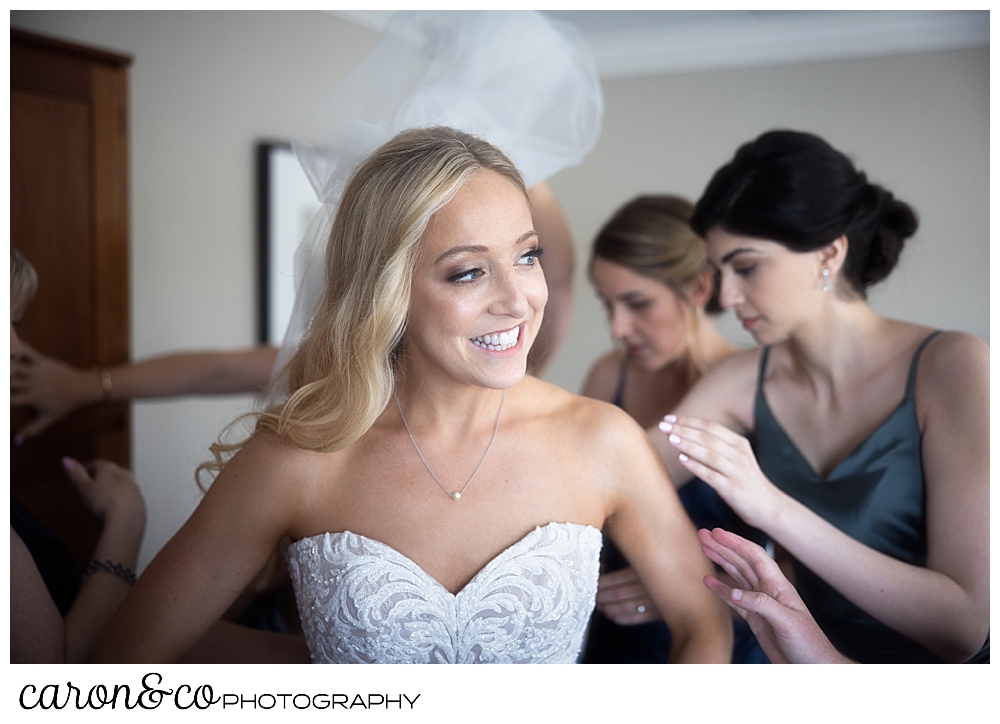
649, 643
54, 562
875, 495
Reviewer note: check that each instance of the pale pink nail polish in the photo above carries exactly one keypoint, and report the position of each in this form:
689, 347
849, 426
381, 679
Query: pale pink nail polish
674, 439
68, 463
666, 426
670, 418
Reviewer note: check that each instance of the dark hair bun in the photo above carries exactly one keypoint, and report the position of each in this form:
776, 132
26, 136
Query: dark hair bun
877, 235
796, 189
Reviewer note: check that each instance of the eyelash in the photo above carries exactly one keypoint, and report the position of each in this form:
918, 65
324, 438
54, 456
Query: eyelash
465, 276
534, 254
460, 277
745, 271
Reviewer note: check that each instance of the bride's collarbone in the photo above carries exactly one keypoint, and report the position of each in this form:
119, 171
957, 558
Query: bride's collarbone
533, 474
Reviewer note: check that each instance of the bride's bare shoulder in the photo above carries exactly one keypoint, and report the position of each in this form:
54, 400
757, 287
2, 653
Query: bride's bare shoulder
583, 421
270, 466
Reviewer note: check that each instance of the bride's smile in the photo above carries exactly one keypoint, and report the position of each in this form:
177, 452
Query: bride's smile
478, 289
445, 506
502, 342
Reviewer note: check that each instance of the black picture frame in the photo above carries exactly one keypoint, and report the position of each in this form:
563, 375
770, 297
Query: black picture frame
286, 204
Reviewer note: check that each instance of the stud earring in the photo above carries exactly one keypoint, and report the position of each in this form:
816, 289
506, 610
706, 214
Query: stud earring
827, 286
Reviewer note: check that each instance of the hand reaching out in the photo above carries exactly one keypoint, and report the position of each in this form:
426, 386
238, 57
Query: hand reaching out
770, 604
724, 460
622, 598
50, 386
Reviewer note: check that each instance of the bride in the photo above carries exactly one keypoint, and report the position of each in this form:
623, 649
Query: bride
443, 506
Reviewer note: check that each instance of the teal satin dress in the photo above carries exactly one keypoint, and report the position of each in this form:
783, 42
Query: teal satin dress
875, 495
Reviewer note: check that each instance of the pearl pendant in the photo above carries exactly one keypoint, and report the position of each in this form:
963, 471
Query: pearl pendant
456, 496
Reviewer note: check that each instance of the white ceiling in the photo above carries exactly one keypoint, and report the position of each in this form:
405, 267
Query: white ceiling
650, 42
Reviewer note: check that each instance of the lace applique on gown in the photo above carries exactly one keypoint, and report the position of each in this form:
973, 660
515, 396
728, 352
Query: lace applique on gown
361, 601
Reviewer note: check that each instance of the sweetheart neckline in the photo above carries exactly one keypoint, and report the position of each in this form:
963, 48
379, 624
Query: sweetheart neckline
414, 566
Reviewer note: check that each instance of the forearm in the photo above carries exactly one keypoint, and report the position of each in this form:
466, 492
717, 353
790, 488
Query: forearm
181, 595
229, 643
102, 592
157, 623
703, 645
558, 263
99, 597
926, 605
193, 373
700, 625
54, 389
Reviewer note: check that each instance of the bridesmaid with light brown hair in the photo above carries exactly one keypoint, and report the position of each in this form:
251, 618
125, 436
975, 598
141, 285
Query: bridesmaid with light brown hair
651, 271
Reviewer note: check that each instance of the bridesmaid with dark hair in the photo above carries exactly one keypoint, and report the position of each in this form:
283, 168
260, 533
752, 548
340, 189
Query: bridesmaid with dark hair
870, 456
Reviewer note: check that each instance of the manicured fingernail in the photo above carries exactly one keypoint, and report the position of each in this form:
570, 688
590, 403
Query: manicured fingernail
670, 418
19, 439
674, 439
666, 426
68, 464
683, 458
737, 594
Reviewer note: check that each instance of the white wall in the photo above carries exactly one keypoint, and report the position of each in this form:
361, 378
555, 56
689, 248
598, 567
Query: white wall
207, 85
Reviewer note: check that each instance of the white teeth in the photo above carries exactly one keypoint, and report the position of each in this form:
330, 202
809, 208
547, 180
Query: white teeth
498, 342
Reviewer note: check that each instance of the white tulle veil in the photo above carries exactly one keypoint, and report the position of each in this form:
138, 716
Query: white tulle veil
523, 82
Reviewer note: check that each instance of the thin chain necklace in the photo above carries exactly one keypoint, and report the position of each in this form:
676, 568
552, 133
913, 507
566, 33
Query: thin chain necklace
456, 496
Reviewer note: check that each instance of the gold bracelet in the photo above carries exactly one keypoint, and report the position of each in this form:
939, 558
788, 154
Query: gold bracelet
105, 382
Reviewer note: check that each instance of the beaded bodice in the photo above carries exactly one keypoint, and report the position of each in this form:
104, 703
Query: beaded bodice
361, 601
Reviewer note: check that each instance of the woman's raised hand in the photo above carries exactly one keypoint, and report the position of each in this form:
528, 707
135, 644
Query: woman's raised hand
767, 600
50, 386
724, 460
623, 599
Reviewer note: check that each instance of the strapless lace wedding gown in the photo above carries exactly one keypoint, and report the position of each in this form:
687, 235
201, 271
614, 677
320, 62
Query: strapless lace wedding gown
361, 601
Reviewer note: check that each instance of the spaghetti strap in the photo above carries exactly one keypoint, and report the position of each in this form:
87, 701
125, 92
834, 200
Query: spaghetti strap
911, 380
762, 366
619, 398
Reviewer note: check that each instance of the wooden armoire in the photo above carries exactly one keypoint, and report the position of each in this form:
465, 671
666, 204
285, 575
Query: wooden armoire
69, 217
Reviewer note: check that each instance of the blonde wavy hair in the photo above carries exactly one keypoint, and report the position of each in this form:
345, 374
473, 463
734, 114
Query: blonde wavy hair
343, 374
23, 279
